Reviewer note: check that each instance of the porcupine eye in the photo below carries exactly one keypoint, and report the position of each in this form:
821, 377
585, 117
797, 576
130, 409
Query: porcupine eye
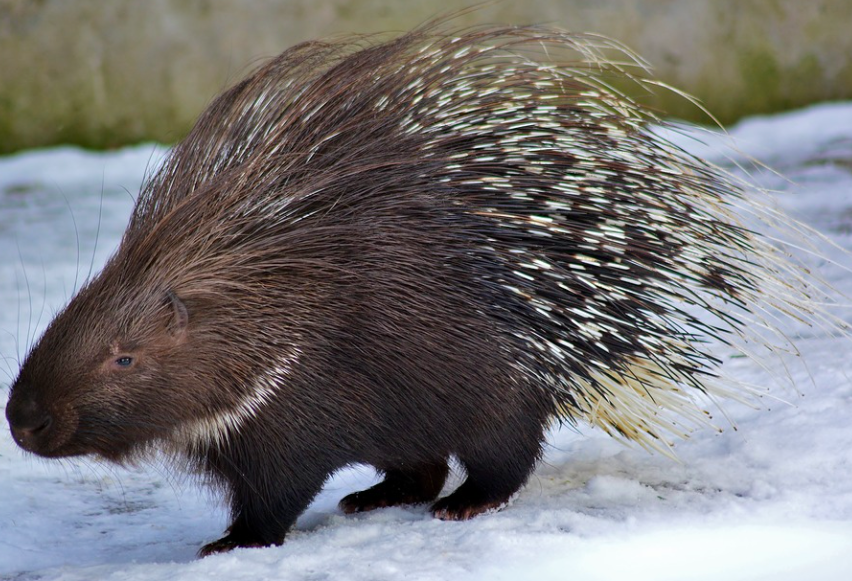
122, 363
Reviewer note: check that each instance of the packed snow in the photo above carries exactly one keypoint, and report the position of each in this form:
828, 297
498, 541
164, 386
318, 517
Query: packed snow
771, 499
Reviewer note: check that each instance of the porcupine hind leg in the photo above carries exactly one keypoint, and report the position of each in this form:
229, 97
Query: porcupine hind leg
496, 470
402, 485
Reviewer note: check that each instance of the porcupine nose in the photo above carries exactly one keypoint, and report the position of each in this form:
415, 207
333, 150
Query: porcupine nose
28, 421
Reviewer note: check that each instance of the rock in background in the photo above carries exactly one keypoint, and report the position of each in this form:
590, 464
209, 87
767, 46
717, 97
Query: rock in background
103, 73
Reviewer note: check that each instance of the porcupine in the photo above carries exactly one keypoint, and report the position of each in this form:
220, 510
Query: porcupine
397, 253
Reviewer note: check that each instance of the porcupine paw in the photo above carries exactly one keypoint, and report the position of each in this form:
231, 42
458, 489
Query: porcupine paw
412, 486
234, 540
223, 545
468, 501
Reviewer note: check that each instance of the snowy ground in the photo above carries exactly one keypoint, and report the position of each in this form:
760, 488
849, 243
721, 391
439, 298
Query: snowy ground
770, 500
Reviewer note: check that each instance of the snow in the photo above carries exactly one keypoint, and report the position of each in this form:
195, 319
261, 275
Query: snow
771, 499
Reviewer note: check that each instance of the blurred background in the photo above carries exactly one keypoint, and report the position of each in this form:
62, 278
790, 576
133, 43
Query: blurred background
105, 74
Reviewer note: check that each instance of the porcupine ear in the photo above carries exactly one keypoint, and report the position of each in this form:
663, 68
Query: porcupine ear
180, 315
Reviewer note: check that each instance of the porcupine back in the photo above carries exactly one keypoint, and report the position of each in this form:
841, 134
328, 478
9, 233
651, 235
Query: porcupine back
615, 260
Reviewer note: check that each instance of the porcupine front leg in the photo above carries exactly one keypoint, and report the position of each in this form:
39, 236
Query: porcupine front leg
267, 495
402, 485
